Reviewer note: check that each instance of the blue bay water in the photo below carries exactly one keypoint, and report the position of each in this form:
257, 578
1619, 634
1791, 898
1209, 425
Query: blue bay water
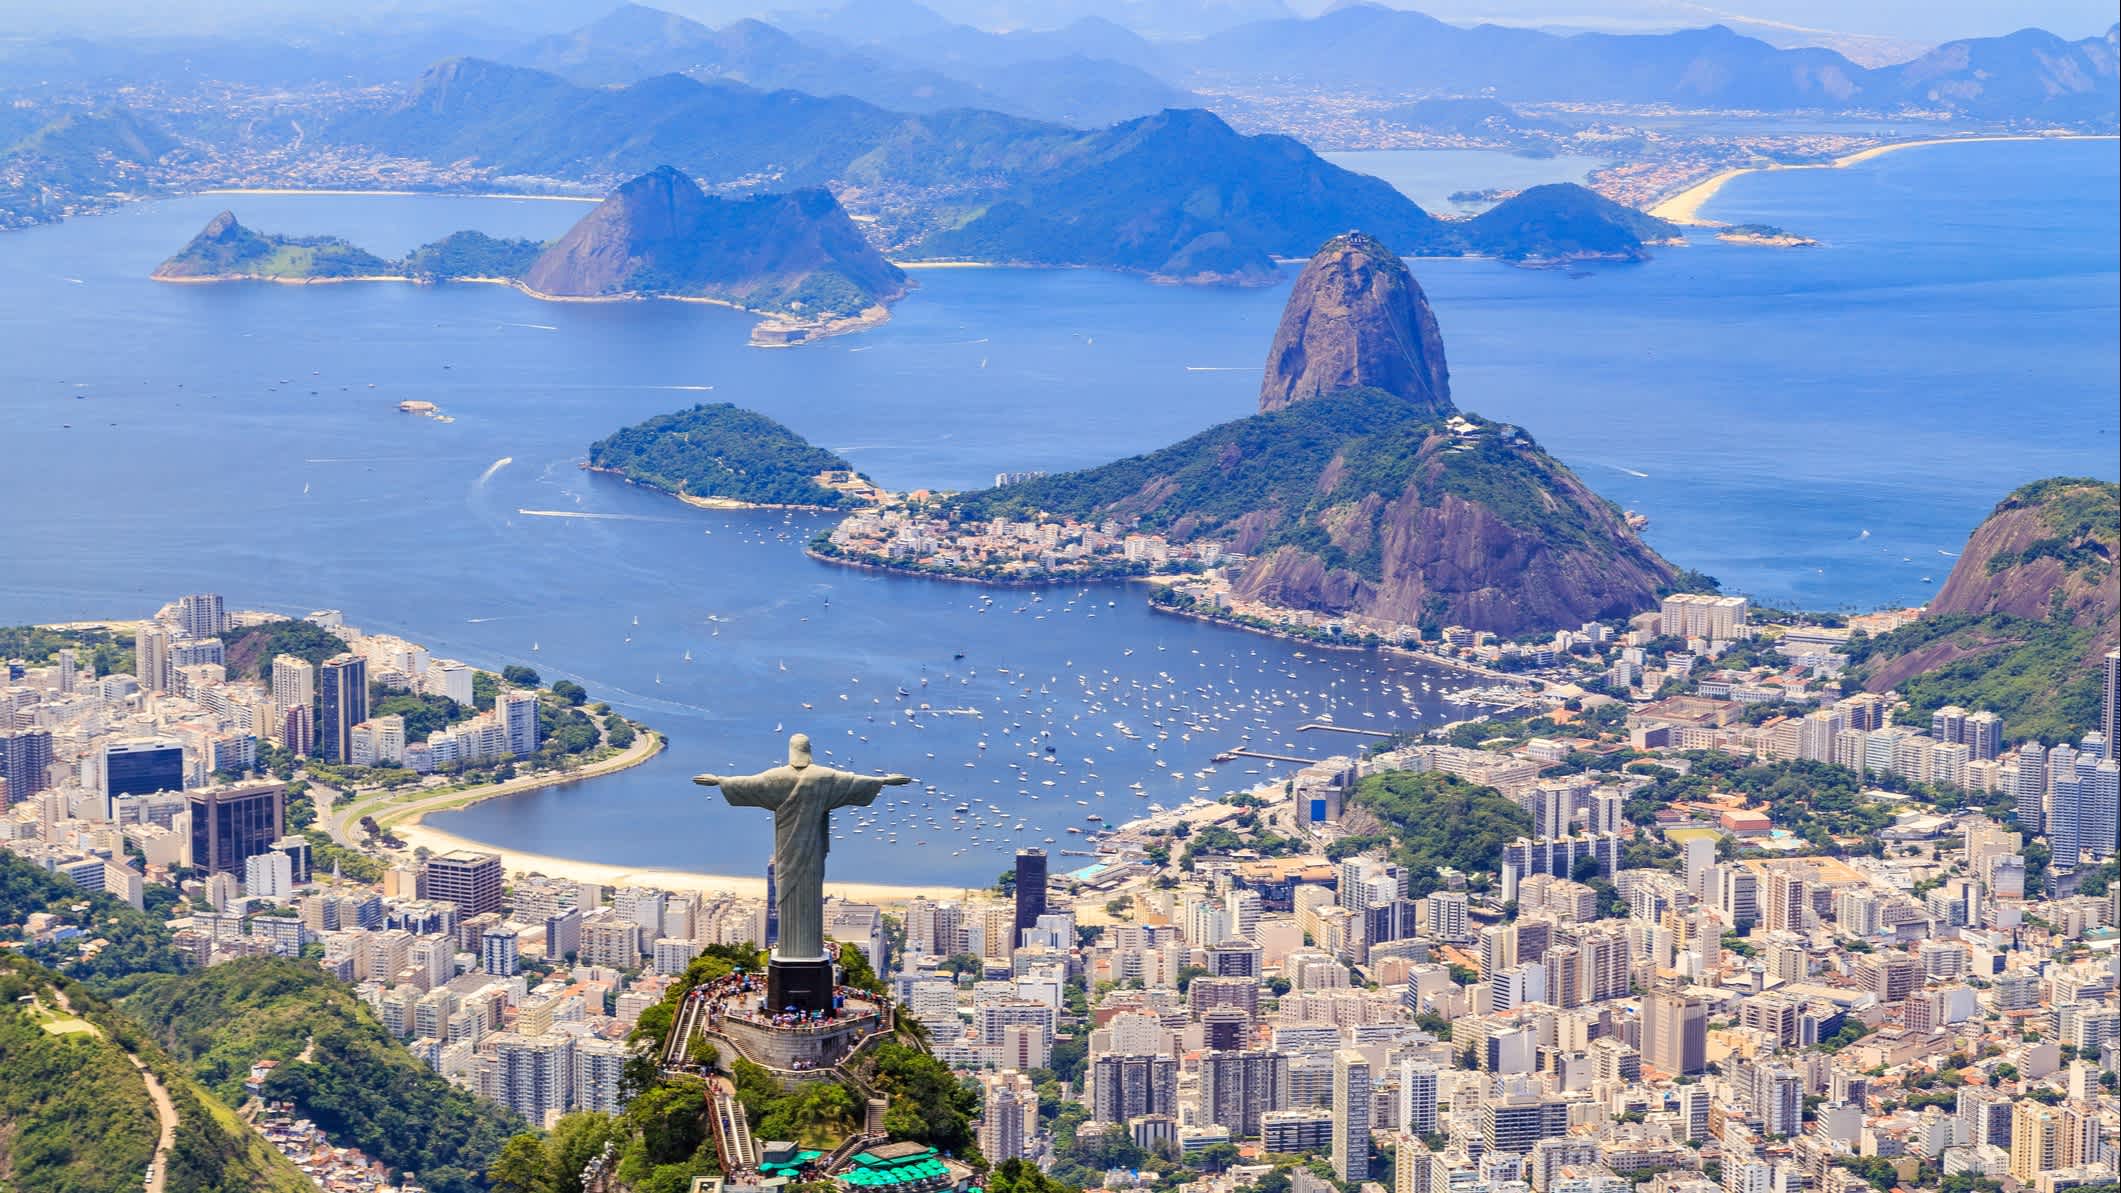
1953, 337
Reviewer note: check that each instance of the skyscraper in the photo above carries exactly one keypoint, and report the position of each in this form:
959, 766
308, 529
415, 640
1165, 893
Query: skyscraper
2110, 703
25, 762
151, 656
1351, 1116
1030, 888
1675, 1033
298, 730
519, 717
773, 909
294, 683
1122, 1087
1417, 1097
142, 766
536, 1073
231, 825
1236, 1088
342, 704
2031, 790
201, 614
470, 880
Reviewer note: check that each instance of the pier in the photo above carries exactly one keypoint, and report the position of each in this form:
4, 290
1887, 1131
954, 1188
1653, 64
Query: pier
1323, 727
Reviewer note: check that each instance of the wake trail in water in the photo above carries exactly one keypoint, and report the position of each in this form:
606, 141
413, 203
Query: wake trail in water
590, 516
494, 467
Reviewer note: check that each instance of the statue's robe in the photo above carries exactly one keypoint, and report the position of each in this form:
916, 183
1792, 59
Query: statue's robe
801, 800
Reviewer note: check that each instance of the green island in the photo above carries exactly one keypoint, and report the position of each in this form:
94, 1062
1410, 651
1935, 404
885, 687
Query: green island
1763, 234
794, 257
228, 251
720, 454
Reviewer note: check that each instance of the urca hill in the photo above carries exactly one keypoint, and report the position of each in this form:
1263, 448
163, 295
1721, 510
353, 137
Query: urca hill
1359, 486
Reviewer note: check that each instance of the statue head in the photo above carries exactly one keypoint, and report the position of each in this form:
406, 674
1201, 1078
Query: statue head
799, 750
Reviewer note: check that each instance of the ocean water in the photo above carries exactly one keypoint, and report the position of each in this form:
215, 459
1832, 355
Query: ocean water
1430, 176
1953, 337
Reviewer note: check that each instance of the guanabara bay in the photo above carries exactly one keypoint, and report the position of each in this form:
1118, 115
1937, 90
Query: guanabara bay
1123, 596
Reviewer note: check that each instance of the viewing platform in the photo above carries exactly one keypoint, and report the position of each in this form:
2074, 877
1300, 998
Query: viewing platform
794, 1047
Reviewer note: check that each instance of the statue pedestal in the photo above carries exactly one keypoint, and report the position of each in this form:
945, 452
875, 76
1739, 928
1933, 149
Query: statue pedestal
801, 985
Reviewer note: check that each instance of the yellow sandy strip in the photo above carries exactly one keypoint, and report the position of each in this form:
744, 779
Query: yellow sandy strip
1685, 207
518, 862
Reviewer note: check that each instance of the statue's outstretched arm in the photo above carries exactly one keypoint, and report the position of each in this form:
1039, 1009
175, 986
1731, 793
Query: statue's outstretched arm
747, 791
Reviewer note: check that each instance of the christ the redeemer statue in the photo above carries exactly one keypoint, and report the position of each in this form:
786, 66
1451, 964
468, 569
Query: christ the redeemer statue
801, 796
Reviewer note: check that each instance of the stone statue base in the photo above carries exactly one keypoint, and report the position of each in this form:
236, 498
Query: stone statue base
802, 985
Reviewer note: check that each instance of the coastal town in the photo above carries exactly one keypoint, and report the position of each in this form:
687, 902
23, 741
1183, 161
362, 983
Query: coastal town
1703, 923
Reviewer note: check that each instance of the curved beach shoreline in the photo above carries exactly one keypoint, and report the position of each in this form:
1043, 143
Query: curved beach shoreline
1685, 207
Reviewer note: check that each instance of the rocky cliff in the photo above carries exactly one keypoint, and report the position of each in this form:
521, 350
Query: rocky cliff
2022, 621
2045, 552
660, 234
1359, 489
1356, 317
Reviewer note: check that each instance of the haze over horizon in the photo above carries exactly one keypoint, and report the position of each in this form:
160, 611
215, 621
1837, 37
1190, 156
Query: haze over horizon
1907, 23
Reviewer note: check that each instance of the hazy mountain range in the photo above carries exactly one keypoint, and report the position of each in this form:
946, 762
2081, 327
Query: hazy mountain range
1179, 194
1048, 76
2029, 74
1088, 62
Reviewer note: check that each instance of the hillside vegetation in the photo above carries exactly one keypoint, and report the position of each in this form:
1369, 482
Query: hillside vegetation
2021, 623
361, 1087
1363, 501
226, 249
131, 941
1433, 820
720, 450
75, 1115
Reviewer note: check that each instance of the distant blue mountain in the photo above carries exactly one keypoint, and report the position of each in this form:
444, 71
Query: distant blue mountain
2029, 75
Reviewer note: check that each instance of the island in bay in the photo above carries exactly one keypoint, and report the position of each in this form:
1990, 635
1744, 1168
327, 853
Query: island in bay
794, 257
722, 456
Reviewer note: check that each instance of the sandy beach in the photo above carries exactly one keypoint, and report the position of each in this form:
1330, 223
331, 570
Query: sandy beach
1685, 207
416, 834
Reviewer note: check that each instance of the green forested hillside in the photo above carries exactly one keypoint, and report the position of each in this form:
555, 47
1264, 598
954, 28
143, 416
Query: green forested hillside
1437, 820
2034, 674
75, 1114
134, 942
720, 450
361, 1087
472, 255
1300, 464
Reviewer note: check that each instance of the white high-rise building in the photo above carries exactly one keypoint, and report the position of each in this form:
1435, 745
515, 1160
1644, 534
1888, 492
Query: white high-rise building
1417, 1097
201, 615
269, 875
294, 684
519, 717
599, 1066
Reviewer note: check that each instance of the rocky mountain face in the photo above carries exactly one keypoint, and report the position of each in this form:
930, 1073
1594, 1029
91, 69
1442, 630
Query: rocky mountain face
2022, 622
1357, 318
660, 234
1358, 488
2046, 550
222, 245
